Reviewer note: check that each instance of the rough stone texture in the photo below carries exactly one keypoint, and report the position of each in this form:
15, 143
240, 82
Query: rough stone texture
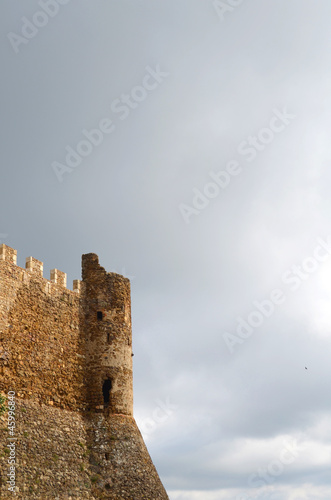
68, 357
107, 309
52, 453
120, 461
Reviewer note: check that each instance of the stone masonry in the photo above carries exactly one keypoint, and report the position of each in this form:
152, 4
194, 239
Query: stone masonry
67, 358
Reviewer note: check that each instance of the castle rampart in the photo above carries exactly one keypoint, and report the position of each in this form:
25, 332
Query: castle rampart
67, 355
40, 330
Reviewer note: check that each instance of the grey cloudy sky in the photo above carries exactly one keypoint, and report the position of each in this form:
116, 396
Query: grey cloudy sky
194, 89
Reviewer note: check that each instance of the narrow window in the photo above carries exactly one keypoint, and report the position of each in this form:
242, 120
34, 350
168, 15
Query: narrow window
106, 388
108, 337
107, 456
99, 315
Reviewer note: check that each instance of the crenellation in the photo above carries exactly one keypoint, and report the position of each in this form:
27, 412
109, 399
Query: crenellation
33, 265
76, 286
58, 277
8, 254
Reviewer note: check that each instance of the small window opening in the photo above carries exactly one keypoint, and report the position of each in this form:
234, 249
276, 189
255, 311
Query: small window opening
106, 388
107, 486
99, 315
107, 456
108, 337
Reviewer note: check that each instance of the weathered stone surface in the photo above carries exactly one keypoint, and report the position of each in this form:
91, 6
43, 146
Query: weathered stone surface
67, 355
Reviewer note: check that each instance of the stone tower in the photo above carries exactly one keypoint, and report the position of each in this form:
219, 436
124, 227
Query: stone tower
66, 356
107, 309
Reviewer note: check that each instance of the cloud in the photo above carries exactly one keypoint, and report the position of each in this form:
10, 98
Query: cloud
191, 281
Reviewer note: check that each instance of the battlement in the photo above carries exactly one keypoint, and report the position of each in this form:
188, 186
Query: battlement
67, 357
58, 277
8, 254
85, 332
41, 333
36, 267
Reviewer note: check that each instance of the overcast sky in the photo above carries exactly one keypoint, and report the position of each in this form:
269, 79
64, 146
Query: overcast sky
186, 142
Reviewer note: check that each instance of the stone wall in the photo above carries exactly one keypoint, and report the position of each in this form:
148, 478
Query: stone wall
66, 455
52, 454
67, 355
119, 460
42, 343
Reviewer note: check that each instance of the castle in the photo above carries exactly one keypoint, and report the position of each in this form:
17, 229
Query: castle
66, 371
